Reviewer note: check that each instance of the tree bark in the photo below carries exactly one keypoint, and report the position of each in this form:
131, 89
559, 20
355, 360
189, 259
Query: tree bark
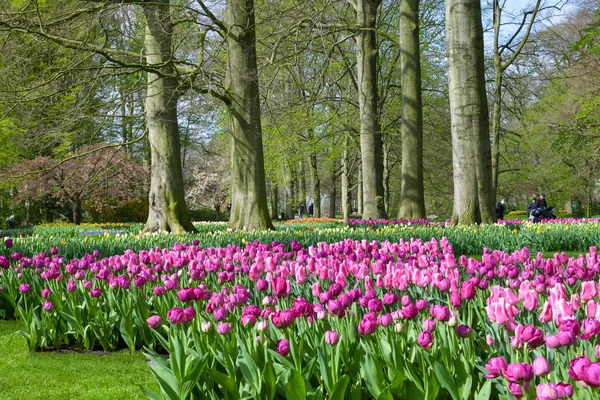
77, 212
386, 177
316, 185
345, 186
333, 193
249, 205
274, 202
412, 204
167, 211
472, 167
371, 144
359, 193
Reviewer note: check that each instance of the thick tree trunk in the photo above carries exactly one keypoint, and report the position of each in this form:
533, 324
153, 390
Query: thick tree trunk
316, 185
371, 144
333, 193
168, 211
345, 185
274, 202
359, 193
249, 206
412, 204
77, 212
473, 197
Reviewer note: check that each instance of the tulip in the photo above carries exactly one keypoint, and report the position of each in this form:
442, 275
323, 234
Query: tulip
332, 338
262, 326
463, 331
597, 350
224, 328
367, 326
262, 285
71, 286
154, 322
495, 366
455, 299
577, 368
441, 313
410, 311
205, 326
489, 340
399, 328
390, 298
541, 366
516, 389
175, 315
280, 287
375, 305
159, 290
422, 304
518, 372
24, 288
425, 339
428, 325
48, 306
385, 320
546, 390
283, 347
8, 243
96, 292
564, 389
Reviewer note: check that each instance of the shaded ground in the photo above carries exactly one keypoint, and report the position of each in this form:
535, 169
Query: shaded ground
67, 375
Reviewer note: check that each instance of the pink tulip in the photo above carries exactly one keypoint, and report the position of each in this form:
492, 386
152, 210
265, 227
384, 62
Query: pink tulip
224, 328
518, 372
425, 339
332, 338
495, 366
541, 366
463, 331
154, 322
428, 325
588, 290
48, 306
283, 347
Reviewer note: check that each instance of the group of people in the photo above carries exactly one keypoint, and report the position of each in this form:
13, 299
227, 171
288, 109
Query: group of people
301, 210
537, 202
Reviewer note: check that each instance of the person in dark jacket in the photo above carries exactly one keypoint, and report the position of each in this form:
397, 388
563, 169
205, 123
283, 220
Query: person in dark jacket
500, 209
311, 210
541, 203
532, 206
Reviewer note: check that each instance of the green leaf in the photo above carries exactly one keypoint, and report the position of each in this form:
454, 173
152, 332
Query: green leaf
464, 374
150, 394
372, 374
295, 388
270, 379
386, 395
445, 379
226, 382
485, 392
324, 366
339, 390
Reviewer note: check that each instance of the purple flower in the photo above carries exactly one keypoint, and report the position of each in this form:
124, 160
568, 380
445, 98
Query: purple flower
262, 285
224, 328
410, 311
24, 288
220, 314
283, 347
175, 315
518, 372
425, 339
71, 286
390, 298
154, 322
8, 243
45, 293
495, 366
422, 304
96, 292
541, 366
375, 305
159, 290
48, 306
367, 325
428, 325
332, 337
463, 331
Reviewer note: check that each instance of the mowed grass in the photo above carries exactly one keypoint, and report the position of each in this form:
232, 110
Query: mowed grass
67, 375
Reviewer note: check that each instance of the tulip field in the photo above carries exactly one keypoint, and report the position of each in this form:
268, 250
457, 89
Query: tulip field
388, 311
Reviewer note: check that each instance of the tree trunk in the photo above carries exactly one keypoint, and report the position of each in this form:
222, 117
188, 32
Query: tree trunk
412, 204
316, 185
359, 193
345, 186
473, 197
167, 211
386, 177
333, 193
249, 206
496, 125
371, 144
77, 212
274, 202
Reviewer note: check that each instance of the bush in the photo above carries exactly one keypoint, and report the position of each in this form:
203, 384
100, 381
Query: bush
208, 214
131, 211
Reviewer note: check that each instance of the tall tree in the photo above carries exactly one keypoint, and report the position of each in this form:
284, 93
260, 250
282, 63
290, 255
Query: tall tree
473, 201
412, 205
168, 210
249, 208
371, 143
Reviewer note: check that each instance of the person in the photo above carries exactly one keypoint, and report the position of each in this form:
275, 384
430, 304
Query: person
229, 207
533, 205
500, 210
11, 222
311, 209
541, 203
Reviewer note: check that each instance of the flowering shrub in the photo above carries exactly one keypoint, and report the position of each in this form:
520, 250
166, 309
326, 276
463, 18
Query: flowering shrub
364, 318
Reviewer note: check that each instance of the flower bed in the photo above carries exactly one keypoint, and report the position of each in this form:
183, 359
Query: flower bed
352, 318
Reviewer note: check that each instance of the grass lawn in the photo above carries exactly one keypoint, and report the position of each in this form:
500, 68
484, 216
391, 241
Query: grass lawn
66, 376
